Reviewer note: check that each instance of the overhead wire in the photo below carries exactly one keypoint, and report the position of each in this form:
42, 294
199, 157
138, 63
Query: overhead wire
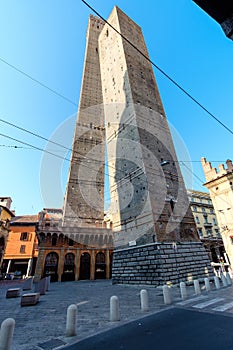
160, 69
72, 102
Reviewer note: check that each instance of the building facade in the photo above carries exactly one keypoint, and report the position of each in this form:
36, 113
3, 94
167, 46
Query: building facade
22, 247
64, 258
207, 227
5, 217
152, 224
220, 185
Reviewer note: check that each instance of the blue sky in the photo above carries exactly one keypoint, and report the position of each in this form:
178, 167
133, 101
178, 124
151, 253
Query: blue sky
46, 40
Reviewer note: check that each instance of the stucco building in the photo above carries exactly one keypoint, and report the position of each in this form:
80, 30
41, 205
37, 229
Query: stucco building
71, 253
5, 216
220, 185
22, 246
207, 226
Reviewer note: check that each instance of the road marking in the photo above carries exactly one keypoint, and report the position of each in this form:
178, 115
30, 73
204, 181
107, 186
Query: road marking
208, 303
188, 301
224, 307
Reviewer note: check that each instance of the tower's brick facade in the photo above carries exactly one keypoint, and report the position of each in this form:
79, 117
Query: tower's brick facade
120, 106
148, 202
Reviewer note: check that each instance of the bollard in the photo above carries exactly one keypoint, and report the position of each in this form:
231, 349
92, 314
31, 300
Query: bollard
183, 290
71, 321
216, 282
224, 280
228, 277
6, 333
166, 295
197, 287
144, 300
114, 309
207, 284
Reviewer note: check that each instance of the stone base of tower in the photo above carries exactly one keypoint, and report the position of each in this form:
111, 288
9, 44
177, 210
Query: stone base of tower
161, 263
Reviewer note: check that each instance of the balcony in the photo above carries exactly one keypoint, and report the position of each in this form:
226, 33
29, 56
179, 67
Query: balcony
208, 224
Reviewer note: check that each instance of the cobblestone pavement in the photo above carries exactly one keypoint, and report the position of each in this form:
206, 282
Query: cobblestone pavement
43, 326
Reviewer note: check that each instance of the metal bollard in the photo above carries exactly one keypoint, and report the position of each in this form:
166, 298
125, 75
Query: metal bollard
166, 295
197, 287
144, 300
216, 282
207, 284
71, 321
6, 333
183, 291
229, 280
114, 309
224, 280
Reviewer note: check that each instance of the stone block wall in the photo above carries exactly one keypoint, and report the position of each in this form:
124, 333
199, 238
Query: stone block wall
161, 263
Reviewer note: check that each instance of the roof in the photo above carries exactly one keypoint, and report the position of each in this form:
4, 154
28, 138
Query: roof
198, 193
8, 210
24, 219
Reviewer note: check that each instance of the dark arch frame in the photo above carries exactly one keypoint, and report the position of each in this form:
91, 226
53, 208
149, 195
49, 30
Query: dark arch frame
51, 266
100, 266
85, 266
69, 268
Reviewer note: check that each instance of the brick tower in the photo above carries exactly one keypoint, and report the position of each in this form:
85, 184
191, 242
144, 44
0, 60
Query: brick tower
150, 210
154, 233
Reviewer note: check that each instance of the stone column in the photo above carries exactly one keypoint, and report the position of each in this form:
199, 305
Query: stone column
92, 276
77, 265
107, 261
29, 269
8, 266
60, 264
39, 265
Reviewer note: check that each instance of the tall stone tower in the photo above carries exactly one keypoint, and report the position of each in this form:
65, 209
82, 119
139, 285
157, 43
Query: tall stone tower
84, 201
154, 234
220, 184
149, 208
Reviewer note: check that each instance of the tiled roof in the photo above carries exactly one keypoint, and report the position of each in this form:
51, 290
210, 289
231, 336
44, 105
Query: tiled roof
26, 219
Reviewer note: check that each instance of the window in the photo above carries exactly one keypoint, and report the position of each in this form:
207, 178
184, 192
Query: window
195, 209
205, 218
197, 220
211, 210
214, 222
24, 236
209, 233
200, 232
203, 210
22, 249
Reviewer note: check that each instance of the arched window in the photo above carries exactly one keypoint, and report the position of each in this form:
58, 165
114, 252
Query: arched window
100, 266
50, 266
54, 239
69, 268
85, 266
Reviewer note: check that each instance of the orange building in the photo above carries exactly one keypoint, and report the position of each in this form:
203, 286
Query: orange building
5, 217
22, 247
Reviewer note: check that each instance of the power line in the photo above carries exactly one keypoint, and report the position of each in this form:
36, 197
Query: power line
161, 70
38, 82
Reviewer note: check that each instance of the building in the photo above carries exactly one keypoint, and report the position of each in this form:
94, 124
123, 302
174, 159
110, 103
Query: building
150, 214
220, 185
220, 11
150, 210
207, 226
63, 257
22, 247
5, 217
